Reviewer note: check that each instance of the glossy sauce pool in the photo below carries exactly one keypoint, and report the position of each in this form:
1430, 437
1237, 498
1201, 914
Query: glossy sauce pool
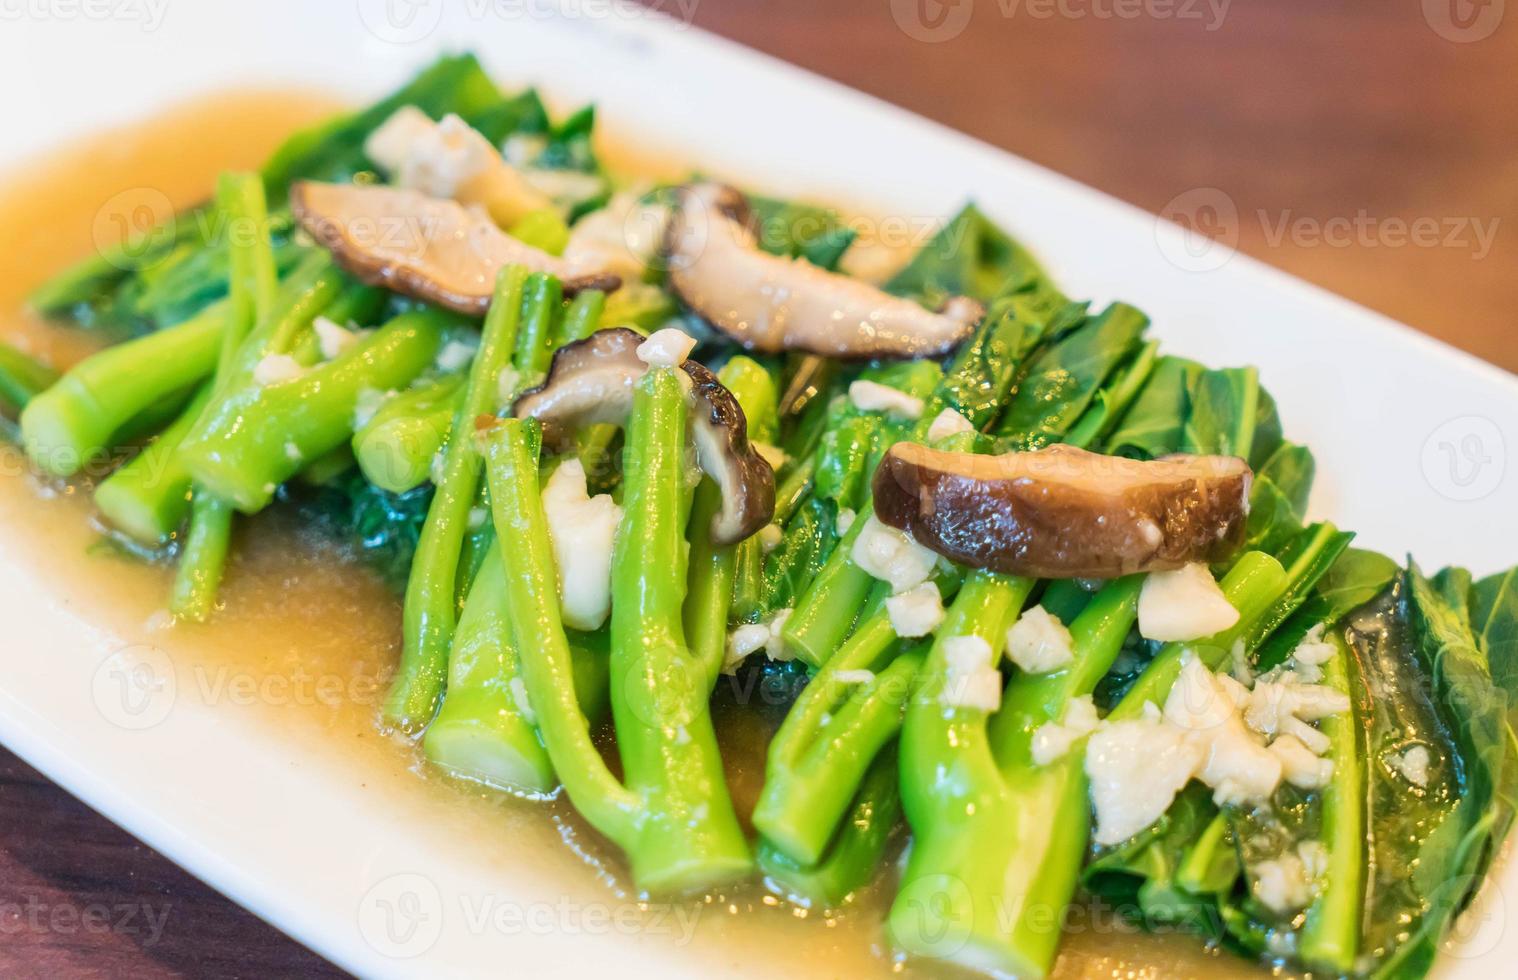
307, 638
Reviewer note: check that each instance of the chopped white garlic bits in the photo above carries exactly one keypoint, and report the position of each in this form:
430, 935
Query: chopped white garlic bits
1136, 768
621, 237
892, 556
1413, 765
776, 648
666, 348
948, 423
753, 637
331, 338
746, 639
854, 676
455, 355
915, 612
1052, 740
972, 680
273, 369
391, 141
1283, 884
583, 529
1241, 742
447, 157
845, 520
1185, 604
1300, 766
451, 159
871, 396
1039, 643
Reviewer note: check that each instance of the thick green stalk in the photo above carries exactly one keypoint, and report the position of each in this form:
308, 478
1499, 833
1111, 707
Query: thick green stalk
855, 855
531, 609
253, 280
952, 791
1330, 939
75, 420
396, 447
252, 286
203, 558
485, 730
998, 839
689, 836
802, 803
148, 498
581, 318
430, 612
794, 489
259, 436
22, 378
542, 296
825, 614
713, 569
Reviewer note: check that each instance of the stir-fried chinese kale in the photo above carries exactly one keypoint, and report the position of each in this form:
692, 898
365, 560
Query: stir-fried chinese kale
1249, 730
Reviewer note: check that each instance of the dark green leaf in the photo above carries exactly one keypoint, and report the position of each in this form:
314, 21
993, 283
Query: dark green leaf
1152, 427
969, 256
1064, 377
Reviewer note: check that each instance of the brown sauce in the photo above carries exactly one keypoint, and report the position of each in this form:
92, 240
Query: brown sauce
307, 638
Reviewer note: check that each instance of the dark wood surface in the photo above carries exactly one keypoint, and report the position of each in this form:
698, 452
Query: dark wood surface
1302, 110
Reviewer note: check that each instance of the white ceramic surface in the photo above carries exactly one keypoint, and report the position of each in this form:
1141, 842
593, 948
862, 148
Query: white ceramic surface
1404, 428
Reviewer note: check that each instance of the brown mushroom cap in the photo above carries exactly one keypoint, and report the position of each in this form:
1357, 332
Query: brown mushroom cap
434, 249
1063, 512
769, 303
591, 382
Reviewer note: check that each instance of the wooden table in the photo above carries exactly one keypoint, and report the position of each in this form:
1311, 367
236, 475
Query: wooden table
1300, 112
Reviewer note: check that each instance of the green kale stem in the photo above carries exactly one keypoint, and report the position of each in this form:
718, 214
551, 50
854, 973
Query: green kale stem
78, 418
22, 377
854, 856
999, 882
252, 286
431, 608
148, 498
1330, 938
714, 568
485, 729
396, 447
260, 435
673, 818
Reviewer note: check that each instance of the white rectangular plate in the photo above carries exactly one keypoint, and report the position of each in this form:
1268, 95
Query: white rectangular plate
1411, 436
